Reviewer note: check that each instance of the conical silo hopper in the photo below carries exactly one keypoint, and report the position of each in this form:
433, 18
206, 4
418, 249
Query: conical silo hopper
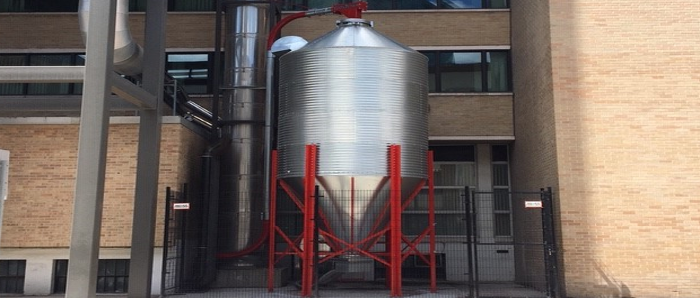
353, 92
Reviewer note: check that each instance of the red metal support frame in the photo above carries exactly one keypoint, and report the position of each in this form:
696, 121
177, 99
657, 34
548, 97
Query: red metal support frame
398, 247
431, 223
273, 224
307, 270
394, 242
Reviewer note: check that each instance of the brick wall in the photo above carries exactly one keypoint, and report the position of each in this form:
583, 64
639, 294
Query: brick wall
624, 84
456, 115
38, 211
444, 28
196, 30
534, 163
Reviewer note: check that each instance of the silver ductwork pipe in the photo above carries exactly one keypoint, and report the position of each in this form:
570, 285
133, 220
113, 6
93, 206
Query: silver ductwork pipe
128, 55
241, 208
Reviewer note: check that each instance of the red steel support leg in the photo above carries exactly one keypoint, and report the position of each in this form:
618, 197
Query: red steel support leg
395, 220
307, 270
273, 223
431, 223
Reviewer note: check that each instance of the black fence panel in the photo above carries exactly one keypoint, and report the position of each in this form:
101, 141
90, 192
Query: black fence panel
510, 248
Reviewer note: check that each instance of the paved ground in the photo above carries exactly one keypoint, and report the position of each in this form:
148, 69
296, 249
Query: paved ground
356, 291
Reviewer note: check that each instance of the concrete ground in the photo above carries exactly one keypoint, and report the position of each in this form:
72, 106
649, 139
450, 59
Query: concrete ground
354, 290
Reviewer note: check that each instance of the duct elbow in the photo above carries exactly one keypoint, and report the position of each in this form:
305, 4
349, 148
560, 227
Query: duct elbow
128, 55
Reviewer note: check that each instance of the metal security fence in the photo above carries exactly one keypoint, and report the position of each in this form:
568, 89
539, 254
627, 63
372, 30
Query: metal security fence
487, 244
510, 245
172, 245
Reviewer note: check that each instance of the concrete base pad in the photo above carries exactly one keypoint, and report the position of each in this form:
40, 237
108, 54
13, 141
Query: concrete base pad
249, 277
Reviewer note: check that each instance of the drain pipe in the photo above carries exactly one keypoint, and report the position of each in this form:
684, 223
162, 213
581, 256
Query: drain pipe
128, 55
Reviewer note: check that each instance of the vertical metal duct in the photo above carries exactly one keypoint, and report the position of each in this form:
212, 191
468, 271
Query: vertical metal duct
128, 55
243, 113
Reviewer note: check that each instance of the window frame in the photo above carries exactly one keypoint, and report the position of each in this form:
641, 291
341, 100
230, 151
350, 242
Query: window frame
15, 279
501, 188
395, 5
437, 68
72, 88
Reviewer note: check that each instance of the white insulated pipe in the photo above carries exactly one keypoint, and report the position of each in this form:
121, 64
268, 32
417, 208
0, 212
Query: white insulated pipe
128, 55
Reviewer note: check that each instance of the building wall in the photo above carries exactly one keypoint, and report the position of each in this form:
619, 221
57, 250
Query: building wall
38, 211
474, 115
196, 29
624, 84
534, 163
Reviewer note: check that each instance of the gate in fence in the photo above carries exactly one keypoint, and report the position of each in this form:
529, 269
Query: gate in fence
510, 246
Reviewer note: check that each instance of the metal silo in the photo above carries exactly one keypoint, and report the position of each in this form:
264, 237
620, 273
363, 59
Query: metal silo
353, 92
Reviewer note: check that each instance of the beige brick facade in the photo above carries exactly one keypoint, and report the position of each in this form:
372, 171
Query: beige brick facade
460, 115
196, 29
38, 211
619, 117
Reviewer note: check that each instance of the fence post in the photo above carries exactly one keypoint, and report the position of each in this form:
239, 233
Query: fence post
550, 245
317, 221
470, 238
166, 238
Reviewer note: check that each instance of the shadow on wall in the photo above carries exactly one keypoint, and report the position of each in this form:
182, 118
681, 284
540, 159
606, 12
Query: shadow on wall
612, 287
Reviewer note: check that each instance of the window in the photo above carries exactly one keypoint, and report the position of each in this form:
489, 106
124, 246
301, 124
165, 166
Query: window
113, 276
308, 4
12, 276
72, 5
191, 70
468, 71
60, 276
454, 169
501, 190
441, 4
41, 60
177, 5
38, 6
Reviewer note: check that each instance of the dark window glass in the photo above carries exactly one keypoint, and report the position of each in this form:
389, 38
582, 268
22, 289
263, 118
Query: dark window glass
432, 4
402, 4
501, 224
497, 68
461, 4
192, 5
137, 5
453, 153
190, 70
49, 60
78, 87
12, 60
12, 276
309, 4
38, 6
499, 153
432, 66
113, 276
460, 72
468, 71
497, 4
60, 276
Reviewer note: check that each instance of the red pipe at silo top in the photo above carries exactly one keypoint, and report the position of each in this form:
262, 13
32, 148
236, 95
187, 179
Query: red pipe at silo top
349, 10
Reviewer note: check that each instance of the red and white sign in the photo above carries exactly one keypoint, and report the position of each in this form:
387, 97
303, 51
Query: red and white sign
181, 206
533, 204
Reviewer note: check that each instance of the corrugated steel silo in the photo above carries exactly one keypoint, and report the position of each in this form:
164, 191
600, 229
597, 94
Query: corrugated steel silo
353, 92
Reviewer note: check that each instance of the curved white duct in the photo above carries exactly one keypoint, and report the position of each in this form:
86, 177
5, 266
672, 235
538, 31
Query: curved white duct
128, 55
